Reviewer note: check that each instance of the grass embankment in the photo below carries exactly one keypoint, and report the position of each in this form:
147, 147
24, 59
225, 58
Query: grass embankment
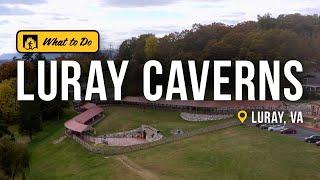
68, 160
120, 118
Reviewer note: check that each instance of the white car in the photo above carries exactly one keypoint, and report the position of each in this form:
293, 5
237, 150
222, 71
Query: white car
276, 128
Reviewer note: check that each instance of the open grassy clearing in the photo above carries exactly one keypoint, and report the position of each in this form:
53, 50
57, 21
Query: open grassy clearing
121, 118
234, 153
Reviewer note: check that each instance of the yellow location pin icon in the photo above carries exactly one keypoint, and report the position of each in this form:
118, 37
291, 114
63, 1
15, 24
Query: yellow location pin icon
242, 115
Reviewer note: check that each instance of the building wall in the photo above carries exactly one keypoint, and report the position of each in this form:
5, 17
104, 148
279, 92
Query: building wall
151, 134
315, 110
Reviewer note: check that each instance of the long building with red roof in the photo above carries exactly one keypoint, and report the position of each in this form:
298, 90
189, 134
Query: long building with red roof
208, 105
83, 121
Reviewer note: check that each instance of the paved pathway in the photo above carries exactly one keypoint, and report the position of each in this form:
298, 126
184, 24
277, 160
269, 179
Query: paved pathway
125, 141
121, 141
59, 140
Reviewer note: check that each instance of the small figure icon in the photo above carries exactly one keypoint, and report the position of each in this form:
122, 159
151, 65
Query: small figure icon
30, 42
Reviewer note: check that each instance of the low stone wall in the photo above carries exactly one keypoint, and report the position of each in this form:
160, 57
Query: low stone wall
151, 134
203, 117
86, 145
109, 151
136, 133
123, 134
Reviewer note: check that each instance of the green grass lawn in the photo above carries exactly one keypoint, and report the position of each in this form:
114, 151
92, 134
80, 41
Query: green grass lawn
120, 118
68, 160
234, 153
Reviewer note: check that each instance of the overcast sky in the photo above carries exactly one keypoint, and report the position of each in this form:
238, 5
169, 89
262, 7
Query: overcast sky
117, 20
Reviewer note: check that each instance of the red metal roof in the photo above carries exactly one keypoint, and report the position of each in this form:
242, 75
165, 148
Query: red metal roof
77, 123
208, 104
87, 115
315, 103
75, 126
88, 106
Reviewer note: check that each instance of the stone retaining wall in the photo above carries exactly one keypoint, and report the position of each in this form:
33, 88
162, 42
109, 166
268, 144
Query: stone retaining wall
203, 117
86, 145
152, 134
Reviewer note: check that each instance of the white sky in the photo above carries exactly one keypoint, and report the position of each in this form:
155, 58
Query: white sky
118, 20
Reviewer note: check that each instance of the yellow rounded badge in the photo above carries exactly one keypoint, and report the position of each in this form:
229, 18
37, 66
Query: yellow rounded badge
242, 115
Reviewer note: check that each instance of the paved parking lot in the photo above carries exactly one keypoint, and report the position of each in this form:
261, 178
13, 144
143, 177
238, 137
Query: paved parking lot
301, 132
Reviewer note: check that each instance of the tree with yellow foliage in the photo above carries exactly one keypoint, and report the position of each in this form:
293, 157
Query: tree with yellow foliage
9, 107
150, 47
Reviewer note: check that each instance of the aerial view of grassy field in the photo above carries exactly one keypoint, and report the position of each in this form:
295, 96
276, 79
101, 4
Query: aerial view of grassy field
239, 152
159, 89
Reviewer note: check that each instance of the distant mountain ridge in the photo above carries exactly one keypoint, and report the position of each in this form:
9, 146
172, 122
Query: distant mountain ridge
9, 56
3, 61
112, 53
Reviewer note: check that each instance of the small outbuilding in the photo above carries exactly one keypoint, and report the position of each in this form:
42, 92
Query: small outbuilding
315, 108
83, 122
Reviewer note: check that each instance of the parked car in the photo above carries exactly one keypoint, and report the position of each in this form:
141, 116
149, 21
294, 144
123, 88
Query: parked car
288, 131
312, 139
276, 128
258, 124
265, 126
318, 143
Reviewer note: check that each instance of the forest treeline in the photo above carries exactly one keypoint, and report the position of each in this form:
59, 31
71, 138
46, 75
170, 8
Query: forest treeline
27, 115
286, 37
293, 36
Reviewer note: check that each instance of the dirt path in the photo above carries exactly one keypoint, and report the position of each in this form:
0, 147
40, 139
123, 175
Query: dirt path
59, 140
136, 168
